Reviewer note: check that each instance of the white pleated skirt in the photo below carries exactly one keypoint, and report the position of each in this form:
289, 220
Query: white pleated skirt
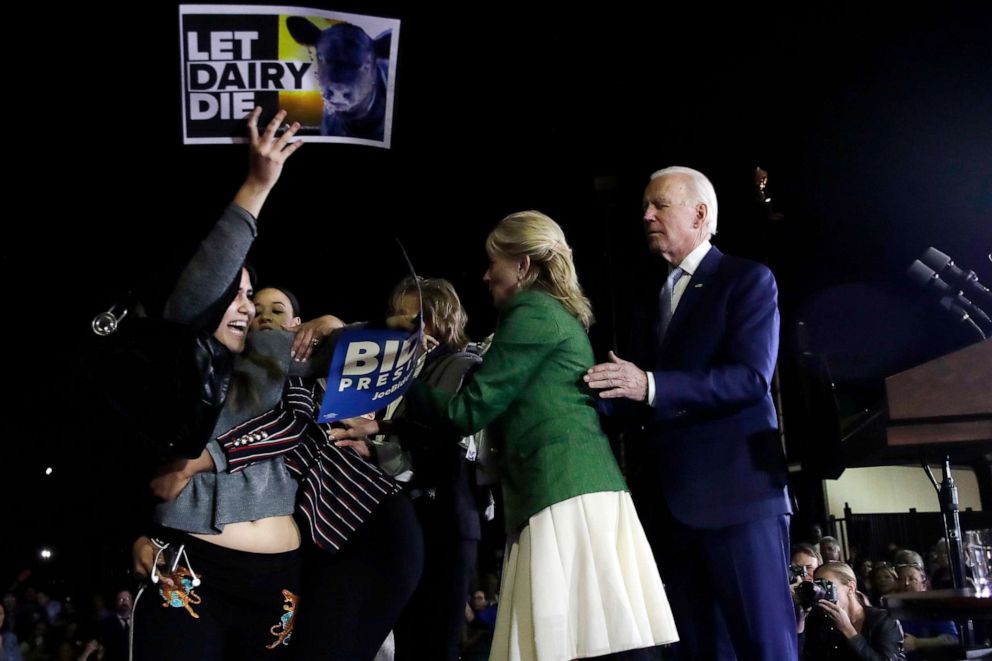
580, 581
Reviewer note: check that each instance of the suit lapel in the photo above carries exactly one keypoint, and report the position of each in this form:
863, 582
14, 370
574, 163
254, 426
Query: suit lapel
694, 292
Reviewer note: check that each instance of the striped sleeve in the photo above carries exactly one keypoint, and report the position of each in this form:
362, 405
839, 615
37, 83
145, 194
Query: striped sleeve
272, 433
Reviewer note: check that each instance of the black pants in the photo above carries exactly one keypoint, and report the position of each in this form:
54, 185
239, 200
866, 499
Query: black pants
431, 625
242, 609
353, 597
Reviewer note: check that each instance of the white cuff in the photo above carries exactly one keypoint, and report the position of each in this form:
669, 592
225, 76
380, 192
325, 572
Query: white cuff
651, 392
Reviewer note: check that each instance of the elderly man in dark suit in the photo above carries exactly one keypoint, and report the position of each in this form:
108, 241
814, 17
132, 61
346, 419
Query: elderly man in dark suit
707, 470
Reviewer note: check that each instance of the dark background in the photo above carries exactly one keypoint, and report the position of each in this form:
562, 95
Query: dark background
875, 125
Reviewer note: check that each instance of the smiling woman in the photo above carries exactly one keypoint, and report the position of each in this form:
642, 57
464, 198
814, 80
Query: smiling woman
233, 326
221, 525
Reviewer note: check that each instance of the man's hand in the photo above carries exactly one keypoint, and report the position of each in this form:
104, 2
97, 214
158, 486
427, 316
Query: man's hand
618, 378
92, 647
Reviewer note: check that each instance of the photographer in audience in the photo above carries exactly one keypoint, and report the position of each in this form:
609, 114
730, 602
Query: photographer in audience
841, 624
807, 558
804, 561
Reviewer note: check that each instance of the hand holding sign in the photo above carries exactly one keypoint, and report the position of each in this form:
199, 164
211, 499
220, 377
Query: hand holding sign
371, 367
355, 434
266, 159
268, 153
334, 70
354, 429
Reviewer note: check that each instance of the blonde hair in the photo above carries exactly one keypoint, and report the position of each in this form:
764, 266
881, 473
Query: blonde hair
443, 311
846, 576
535, 235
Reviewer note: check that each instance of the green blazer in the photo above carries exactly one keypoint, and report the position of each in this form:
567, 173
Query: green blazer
539, 416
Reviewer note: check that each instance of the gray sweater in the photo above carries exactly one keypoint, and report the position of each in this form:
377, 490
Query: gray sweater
212, 500
267, 488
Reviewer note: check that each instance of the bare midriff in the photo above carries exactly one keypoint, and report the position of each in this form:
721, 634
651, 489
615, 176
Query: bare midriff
274, 534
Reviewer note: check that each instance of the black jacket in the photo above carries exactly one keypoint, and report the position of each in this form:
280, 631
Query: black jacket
880, 639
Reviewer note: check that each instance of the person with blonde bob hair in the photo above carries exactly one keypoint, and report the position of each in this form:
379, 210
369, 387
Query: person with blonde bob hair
444, 316
437, 476
579, 579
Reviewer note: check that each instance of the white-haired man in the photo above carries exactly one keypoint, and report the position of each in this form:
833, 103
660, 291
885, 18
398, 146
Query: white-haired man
705, 467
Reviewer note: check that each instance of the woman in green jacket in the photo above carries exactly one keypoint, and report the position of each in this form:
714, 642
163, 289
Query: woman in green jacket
579, 579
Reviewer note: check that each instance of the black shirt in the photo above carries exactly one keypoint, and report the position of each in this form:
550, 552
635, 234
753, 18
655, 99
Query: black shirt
880, 639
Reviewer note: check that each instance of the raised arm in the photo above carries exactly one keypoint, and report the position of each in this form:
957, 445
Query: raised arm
222, 253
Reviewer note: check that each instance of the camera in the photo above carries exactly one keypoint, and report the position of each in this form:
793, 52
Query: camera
796, 573
810, 592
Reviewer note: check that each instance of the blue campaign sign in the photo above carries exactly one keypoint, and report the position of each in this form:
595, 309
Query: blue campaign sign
371, 367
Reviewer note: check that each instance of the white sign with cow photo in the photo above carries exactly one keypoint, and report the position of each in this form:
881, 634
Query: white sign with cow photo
333, 73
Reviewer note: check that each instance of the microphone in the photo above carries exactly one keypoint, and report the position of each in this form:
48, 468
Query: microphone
967, 280
105, 323
961, 314
951, 299
923, 276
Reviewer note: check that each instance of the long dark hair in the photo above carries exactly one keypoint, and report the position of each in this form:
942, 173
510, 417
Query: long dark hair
210, 319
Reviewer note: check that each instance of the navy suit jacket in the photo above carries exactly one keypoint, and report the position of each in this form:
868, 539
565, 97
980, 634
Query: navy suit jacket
710, 440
